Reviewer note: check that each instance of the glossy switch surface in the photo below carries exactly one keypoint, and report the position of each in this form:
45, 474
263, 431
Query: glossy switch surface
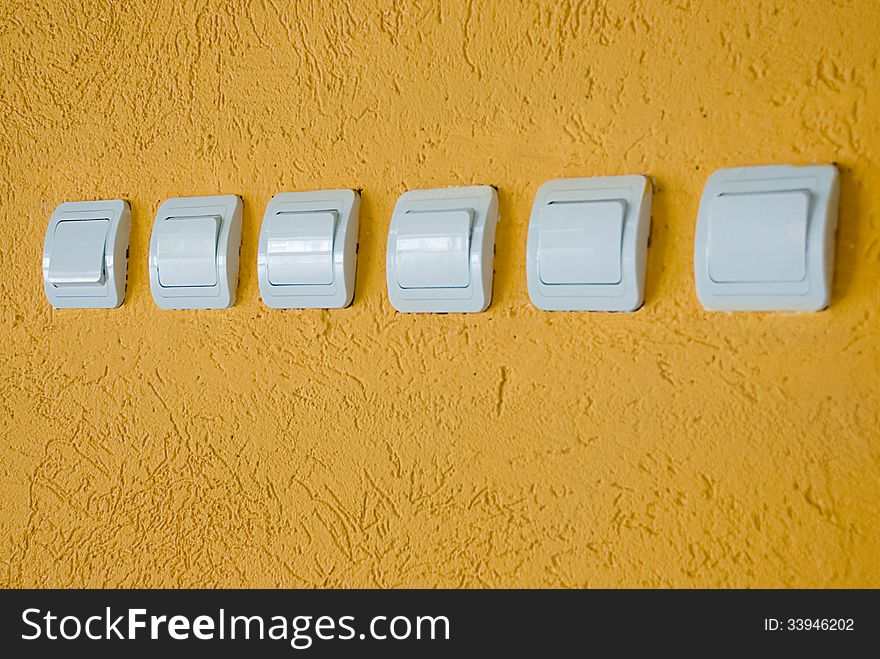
433, 249
440, 249
85, 254
587, 244
186, 251
580, 242
194, 252
307, 253
765, 238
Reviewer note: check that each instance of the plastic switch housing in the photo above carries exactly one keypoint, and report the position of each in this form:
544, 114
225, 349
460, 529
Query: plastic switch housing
85, 254
194, 252
441, 245
765, 238
307, 253
587, 244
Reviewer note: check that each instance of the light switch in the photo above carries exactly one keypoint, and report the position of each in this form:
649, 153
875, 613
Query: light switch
307, 251
579, 242
765, 238
433, 249
758, 237
587, 244
440, 250
79, 252
300, 248
187, 251
194, 252
85, 254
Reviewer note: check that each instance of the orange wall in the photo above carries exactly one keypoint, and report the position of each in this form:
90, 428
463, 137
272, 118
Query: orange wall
361, 447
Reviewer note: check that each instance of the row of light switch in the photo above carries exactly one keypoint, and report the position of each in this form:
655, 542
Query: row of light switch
764, 241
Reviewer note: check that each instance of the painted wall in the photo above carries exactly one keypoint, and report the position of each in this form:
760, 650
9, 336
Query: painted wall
361, 447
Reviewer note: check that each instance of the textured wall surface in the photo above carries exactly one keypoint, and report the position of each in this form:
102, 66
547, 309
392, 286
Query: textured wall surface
361, 447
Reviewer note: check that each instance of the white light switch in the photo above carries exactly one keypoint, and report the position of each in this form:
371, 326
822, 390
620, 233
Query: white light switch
579, 242
433, 249
587, 244
85, 254
194, 252
187, 251
79, 252
307, 252
765, 238
440, 249
300, 248
759, 237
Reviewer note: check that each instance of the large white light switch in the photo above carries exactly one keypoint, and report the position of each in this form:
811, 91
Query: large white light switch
308, 249
194, 252
440, 249
765, 238
587, 244
85, 254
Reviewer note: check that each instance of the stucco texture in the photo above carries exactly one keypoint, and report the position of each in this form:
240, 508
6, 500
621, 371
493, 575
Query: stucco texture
362, 447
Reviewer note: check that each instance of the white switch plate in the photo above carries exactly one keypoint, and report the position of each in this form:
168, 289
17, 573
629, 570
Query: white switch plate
194, 252
85, 254
588, 242
307, 253
765, 238
441, 244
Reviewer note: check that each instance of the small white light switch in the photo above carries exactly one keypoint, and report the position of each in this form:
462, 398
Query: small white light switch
440, 249
433, 249
79, 252
765, 238
587, 244
187, 251
759, 237
300, 248
194, 252
579, 242
85, 254
308, 249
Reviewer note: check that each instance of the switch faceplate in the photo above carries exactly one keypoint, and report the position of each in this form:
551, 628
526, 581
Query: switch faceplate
765, 238
587, 244
194, 252
579, 242
441, 245
85, 254
433, 249
307, 253
758, 237
187, 251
